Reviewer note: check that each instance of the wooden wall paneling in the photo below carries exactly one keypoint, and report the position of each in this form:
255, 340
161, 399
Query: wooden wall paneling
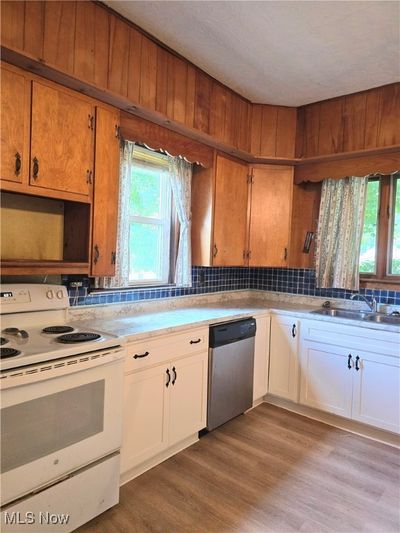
202, 102
218, 111
372, 111
134, 65
176, 89
148, 74
311, 130
102, 20
12, 17
356, 166
330, 137
389, 123
286, 132
84, 41
268, 131
243, 125
231, 118
203, 184
59, 35
15, 125
134, 128
300, 126
190, 95
162, 80
118, 59
354, 121
256, 122
305, 211
34, 28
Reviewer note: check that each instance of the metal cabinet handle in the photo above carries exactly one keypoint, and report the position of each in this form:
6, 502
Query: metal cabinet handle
18, 164
294, 330
96, 254
195, 342
89, 177
113, 257
175, 375
285, 255
357, 366
91, 122
35, 173
141, 355
215, 250
349, 361
169, 378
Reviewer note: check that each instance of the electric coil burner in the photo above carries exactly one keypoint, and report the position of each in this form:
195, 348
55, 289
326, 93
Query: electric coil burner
8, 352
3, 341
71, 338
58, 329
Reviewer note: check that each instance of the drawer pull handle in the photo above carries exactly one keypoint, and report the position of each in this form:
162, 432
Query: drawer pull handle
96, 254
349, 360
195, 342
169, 378
141, 355
357, 367
294, 330
18, 164
175, 375
35, 168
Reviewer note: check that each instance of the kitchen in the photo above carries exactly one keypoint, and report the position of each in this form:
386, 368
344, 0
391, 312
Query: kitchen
200, 253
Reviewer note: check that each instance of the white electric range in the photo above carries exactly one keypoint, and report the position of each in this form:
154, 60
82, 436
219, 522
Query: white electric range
61, 413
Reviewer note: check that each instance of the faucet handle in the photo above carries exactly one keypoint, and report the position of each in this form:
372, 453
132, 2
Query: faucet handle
326, 304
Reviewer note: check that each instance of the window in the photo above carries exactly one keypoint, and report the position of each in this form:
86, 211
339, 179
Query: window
380, 244
150, 219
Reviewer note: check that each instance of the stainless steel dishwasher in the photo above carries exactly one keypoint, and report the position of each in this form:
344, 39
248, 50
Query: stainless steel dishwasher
230, 374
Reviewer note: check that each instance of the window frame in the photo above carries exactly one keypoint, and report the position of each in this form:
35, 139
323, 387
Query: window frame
384, 229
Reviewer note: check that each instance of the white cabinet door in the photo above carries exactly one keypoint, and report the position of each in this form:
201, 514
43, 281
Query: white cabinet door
283, 364
145, 417
188, 397
376, 392
261, 357
326, 379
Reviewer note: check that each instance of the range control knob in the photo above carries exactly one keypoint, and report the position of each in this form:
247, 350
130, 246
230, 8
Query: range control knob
60, 294
50, 294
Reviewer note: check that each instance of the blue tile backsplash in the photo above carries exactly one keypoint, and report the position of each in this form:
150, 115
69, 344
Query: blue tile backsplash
216, 279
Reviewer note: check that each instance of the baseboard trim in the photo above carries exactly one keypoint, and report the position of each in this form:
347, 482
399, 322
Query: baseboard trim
352, 426
157, 459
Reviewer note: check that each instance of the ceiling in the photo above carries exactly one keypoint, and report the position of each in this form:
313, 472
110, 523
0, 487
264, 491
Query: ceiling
280, 52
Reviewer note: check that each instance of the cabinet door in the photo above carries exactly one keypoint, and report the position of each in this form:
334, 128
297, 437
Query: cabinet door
106, 192
283, 364
188, 400
61, 141
261, 357
230, 214
326, 380
15, 117
376, 391
145, 416
271, 204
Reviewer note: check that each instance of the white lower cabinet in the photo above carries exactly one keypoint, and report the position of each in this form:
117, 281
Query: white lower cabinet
283, 363
261, 357
163, 405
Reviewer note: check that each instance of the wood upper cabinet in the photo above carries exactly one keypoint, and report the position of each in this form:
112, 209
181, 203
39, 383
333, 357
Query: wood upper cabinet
62, 140
106, 188
270, 217
15, 119
230, 212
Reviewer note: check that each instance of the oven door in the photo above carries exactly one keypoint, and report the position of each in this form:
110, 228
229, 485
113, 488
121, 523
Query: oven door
57, 417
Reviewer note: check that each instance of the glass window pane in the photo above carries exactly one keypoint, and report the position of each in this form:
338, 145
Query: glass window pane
370, 230
145, 192
394, 266
145, 245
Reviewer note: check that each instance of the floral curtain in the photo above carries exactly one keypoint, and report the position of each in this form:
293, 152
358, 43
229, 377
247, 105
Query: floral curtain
180, 175
339, 234
121, 278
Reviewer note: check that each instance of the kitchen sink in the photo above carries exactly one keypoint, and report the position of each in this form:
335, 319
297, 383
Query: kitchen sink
359, 315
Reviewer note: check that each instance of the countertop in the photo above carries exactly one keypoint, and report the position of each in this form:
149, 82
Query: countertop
140, 325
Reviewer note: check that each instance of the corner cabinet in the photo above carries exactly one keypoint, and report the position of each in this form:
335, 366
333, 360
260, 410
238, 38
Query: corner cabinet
283, 358
165, 398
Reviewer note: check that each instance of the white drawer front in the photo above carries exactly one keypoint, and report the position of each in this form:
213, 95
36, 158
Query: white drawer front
164, 348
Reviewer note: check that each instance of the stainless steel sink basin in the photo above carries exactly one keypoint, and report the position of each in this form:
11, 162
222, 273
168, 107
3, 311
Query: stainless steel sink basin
342, 313
383, 319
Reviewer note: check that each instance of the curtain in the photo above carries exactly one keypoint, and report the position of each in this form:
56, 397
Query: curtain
340, 226
180, 175
121, 278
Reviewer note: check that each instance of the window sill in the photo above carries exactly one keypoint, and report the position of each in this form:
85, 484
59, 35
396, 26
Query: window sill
385, 283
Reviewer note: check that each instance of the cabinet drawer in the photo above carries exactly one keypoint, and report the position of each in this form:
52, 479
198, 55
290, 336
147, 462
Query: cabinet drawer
157, 350
352, 336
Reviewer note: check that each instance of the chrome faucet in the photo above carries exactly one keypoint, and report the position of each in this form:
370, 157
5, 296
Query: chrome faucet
373, 304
